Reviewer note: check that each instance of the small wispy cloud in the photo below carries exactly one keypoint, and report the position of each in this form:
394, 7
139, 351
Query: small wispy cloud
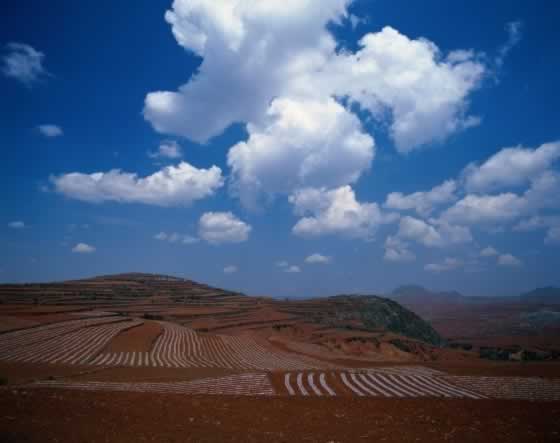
514, 32
23, 63
489, 252
230, 269
169, 149
50, 130
448, 264
175, 237
18, 224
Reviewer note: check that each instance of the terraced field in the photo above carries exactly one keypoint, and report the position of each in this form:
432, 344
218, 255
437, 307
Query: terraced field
171, 335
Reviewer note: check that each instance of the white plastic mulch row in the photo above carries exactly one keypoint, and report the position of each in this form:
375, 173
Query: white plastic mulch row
375, 385
522, 388
180, 347
73, 346
239, 384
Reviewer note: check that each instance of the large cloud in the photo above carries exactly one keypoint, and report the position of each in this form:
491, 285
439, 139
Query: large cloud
222, 227
511, 167
253, 52
425, 92
171, 186
336, 212
302, 143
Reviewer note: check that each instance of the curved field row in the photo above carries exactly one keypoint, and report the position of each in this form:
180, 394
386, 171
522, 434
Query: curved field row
372, 385
259, 357
530, 388
76, 347
180, 347
82, 342
15, 341
308, 384
239, 384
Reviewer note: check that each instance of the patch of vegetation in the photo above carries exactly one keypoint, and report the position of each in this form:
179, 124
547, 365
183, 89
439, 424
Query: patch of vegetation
378, 313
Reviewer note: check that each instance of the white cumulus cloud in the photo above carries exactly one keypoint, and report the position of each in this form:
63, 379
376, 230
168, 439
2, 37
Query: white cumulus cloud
508, 260
432, 233
425, 91
292, 269
222, 227
83, 248
480, 209
302, 143
507, 206
254, 52
251, 51
511, 167
318, 259
178, 185
167, 149
423, 202
336, 212
230, 269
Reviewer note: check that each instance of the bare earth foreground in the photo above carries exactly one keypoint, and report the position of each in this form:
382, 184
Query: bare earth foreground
46, 415
138, 357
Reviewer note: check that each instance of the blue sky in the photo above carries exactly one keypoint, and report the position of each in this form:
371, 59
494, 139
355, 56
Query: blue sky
290, 148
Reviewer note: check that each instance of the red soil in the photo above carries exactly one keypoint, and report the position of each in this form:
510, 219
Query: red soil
125, 417
139, 338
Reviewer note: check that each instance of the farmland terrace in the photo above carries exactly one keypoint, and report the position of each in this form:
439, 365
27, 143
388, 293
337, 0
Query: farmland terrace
153, 334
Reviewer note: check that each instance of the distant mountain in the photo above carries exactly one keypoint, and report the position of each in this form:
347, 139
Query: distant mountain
418, 294
548, 294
